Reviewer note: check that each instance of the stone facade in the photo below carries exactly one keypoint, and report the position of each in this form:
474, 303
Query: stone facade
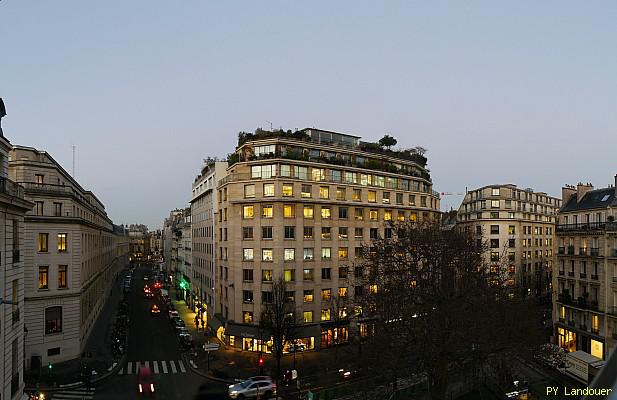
585, 277
518, 224
72, 253
299, 206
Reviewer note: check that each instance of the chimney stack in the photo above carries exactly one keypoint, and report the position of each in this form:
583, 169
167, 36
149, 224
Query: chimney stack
582, 189
567, 191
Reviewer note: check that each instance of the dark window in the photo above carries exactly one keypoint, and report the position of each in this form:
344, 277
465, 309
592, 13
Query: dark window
247, 296
358, 272
247, 232
358, 291
387, 233
54, 351
266, 232
342, 272
266, 297
511, 242
374, 233
53, 320
326, 273
290, 232
247, 275
494, 229
342, 212
308, 232
494, 243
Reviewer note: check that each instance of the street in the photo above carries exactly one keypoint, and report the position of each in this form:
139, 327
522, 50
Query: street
153, 342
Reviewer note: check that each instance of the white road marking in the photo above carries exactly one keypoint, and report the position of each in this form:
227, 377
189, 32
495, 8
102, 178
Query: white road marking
156, 367
181, 366
164, 367
173, 367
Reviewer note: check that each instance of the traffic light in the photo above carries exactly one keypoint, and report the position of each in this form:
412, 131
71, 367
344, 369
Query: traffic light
182, 285
49, 367
261, 362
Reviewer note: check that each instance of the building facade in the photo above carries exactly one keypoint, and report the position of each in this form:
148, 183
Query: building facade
71, 256
585, 309
204, 209
170, 251
299, 206
13, 207
519, 227
139, 246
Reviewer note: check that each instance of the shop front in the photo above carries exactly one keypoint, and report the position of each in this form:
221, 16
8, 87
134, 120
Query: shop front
332, 335
256, 339
566, 339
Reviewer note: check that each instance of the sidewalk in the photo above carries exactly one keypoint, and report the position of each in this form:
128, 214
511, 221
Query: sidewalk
97, 353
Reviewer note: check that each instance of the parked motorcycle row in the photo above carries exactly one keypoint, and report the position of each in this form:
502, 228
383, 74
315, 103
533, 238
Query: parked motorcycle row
121, 325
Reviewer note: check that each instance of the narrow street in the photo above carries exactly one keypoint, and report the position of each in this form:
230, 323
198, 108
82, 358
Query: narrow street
153, 342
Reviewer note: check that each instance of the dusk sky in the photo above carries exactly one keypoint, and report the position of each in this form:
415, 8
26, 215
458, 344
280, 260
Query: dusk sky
522, 92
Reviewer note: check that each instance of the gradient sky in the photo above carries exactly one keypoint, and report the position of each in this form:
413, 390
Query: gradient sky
522, 92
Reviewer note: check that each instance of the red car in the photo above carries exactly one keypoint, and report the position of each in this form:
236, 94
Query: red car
145, 380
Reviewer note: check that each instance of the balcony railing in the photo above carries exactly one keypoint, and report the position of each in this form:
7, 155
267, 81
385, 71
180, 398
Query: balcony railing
582, 251
595, 251
589, 226
11, 188
572, 323
571, 273
594, 277
570, 250
55, 189
562, 272
583, 276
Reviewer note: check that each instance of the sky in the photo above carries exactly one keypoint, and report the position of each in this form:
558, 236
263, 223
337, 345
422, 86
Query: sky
518, 92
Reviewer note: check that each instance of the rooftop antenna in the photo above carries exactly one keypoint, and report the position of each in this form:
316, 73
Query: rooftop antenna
270, 125
73, 161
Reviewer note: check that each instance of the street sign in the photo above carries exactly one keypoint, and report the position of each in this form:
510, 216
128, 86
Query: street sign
211, 346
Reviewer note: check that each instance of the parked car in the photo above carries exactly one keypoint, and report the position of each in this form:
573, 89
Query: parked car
297, 347
177, 321
250, 387
173, 314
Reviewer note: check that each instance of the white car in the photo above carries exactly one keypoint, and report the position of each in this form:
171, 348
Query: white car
250, 387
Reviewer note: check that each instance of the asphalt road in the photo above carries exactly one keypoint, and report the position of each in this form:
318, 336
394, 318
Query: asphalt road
152, 339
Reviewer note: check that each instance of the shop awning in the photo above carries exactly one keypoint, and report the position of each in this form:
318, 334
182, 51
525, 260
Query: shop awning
306, 332
245, 331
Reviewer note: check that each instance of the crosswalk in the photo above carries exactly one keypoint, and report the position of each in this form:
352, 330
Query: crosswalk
73, 394
157, 367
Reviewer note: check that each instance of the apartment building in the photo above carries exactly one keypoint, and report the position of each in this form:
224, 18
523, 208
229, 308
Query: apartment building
299, 206
204, 209
13, 207
71, 255
519, 227
170, 252
585, 309
139, 246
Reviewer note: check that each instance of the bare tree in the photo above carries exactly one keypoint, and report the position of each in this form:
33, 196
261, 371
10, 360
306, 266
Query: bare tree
279, 318
437, 306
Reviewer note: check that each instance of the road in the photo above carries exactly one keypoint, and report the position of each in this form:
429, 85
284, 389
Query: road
152, 340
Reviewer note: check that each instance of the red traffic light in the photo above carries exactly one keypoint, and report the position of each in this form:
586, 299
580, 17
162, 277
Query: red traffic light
261, 361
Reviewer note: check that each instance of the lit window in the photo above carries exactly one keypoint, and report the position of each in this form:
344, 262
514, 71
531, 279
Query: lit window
325, 213
308, 296
340, 193
356, 195
62, 242
290, 254
268, 189
43, 277
266, 212
326, 232
248, 212
342, 292
324, 192
495, 192
247, 254
288, 211
308, 316
266, 255
325, 314
326, 294
247, 317
308, 254
373, 289
289, 275
494, 203
387, 215
319, 174
308, 232
386, 198
288, 190
359, 214
326, 253
343, 253
307, 274
53, 320
266, 275
308, 211
372, 196
373, 215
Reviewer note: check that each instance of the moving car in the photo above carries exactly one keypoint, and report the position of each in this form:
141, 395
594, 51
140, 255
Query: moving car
250, 387
155, 310
145, 381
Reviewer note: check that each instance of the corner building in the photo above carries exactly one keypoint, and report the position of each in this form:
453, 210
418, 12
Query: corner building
585, 309
71, 255
519, 224
299, 206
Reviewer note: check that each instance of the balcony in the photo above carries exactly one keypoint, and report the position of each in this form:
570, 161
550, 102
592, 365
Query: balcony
587, 227
594, 277
11, 188
572, 323
583, 276
595, 251
561, 250
571, 250
582, 251
595, 331
571, 273
562, 272
16, 256
583, 327
612, 311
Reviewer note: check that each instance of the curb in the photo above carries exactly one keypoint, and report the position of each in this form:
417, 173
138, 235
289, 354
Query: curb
203, 374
